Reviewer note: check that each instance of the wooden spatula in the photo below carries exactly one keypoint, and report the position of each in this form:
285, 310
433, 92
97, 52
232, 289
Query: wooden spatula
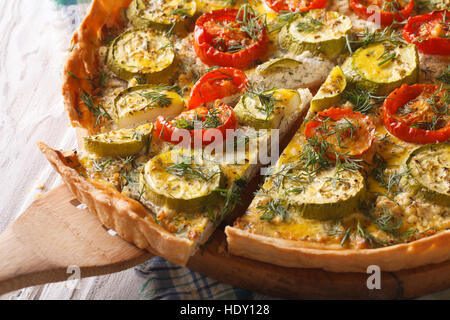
53, 234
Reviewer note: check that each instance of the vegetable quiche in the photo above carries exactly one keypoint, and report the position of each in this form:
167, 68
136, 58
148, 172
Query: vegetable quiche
179, 103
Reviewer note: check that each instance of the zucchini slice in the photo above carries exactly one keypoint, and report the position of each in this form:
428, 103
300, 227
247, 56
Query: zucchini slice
160, 14
181, 181
142, 104
118, 143
330, 91
267, 110
383, 67
328, 195
429, 166
141, 53
277, 64
317, 31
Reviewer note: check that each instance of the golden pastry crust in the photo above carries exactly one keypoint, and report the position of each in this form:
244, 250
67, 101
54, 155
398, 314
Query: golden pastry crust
126, 216
303, 254
81, 64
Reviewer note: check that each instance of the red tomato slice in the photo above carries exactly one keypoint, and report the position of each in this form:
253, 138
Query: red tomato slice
408, 115
295, 5
389, 9
350, 133
217, 84
429, 32
220, 41
198, 123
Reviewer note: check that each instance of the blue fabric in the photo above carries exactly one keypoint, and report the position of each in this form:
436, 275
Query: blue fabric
165, 280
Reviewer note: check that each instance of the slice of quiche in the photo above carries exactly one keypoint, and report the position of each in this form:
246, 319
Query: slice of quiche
365, 181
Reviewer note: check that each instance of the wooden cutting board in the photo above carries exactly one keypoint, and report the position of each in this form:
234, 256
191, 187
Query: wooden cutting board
54, 233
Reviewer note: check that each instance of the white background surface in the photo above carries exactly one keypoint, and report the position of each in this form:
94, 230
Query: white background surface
33, 42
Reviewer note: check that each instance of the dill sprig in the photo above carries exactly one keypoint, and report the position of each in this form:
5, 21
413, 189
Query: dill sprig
371, 240
156, 97
387, 222
284, 18
363, 100
445, 75
309, 26
232, 197
365, 38
180, 12
265, 97
99, 166
211, 120
187, 170
386, 57
337, 230
275, 207
387, 176
251, 23
97, 110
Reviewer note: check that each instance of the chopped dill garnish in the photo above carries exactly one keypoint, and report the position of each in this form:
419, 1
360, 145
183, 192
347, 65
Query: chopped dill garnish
156, 97
187, 170
265, 97
309, 26
284, 18
275, 207
232, 197
99, 166
363, 100
365, 38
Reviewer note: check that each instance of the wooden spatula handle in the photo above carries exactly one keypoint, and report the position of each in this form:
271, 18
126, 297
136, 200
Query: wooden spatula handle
20, 266
53, 235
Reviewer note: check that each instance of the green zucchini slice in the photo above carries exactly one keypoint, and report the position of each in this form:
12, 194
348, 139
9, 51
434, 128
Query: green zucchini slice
277, 64
181, 181
141, 53
118, 143
328, 195
331, 90
160, 14
267, 110
429, 166
142, 104
317, 31
383, 67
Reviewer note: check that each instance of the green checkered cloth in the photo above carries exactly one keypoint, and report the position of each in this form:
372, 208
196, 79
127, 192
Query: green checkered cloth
163, 279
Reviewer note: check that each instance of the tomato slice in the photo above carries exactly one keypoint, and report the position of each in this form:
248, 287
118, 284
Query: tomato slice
349, 133
429, 32
389, 10
230, 37
418, 113
217, 84
203, 124
295, 5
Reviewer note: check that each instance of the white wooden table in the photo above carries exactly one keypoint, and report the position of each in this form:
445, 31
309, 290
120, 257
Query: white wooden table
33, 40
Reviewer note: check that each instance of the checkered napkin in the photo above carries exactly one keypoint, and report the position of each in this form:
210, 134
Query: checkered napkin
165, 280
